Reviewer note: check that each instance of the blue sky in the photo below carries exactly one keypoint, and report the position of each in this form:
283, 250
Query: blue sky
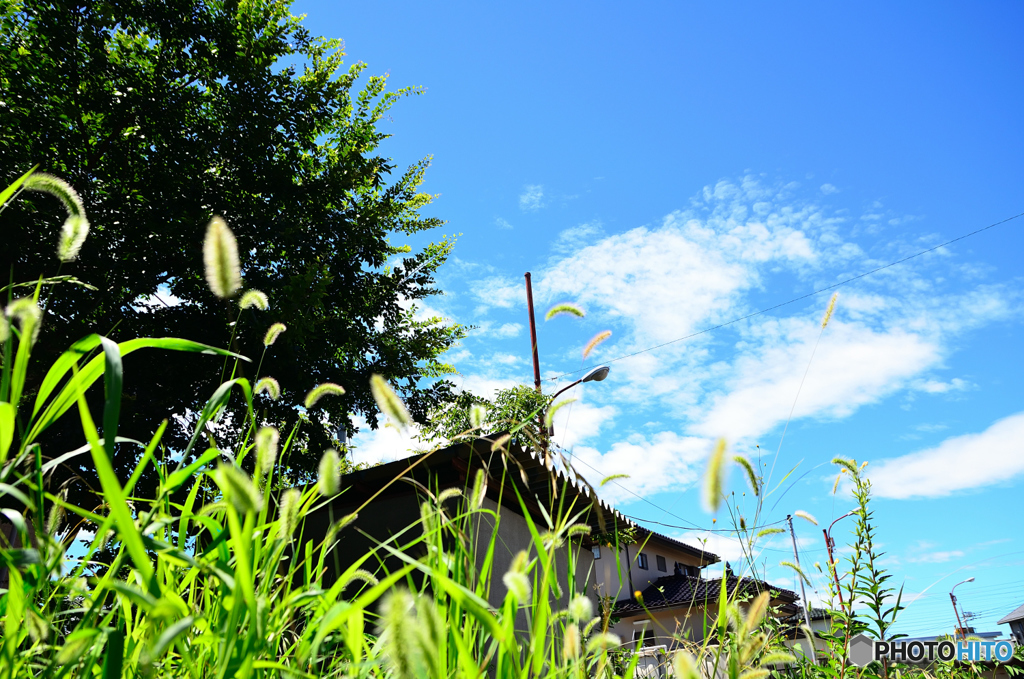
672, 166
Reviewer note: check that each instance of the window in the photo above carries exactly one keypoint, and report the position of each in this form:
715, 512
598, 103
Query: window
661, 564
642, 561
643, 637
596, 549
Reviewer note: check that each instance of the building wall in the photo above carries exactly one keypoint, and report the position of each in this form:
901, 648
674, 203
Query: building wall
666, 626
629, 577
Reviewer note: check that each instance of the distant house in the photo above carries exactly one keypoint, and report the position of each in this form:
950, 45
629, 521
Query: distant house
685, 605
796, 638
669, 573
1015, 619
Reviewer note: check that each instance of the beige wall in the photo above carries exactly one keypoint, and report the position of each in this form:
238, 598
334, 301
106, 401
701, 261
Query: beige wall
616, 582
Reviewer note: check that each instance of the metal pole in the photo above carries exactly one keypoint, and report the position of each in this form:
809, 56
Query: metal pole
533, 333
803, 593
541, 432
832, 567
959, 625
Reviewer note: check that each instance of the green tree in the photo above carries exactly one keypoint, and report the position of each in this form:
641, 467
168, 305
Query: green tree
162, 115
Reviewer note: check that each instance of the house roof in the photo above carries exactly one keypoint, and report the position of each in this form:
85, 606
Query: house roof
1015, 614
690, 591
526, 470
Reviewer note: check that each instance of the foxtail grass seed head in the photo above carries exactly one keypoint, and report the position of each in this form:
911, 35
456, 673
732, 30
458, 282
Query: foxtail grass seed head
549, 417
254, 298
397, 631
684, 666
595, 340
363, 576
76, 226
581, 608
477, 415
388, 401
58, 188
38, 629
56, 514
714, 477
318, 392
755, 612
603, 641
5, 328
238, 488
796, 569
291, 504
828, 312
755, 484
220, 256
272, 333
270, 386
72, 237
571, 642
329, 473
564, 308
479, 489
805, 516
518, 585
448, 494
266, 448
28, 316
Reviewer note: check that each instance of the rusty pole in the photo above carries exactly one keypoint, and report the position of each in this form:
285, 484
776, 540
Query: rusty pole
541, 430
533, 333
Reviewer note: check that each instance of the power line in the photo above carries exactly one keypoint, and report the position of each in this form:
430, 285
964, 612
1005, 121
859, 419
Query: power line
801, 297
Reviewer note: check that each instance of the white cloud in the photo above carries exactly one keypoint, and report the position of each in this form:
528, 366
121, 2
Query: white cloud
497, 291
937, 387
853, 366
580, 421
936, 557
828, 189
710, 264
492, 329
385, 444
958, 463
502, 224
532, 197
664, 461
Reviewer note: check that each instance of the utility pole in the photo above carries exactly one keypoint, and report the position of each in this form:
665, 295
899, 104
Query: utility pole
533, 333
803, 594
959, 624
541, 429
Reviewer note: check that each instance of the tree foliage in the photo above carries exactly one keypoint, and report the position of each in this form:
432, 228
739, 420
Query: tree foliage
162, 115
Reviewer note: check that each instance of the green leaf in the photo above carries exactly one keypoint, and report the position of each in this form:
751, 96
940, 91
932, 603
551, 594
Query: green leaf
113, 660
6, 194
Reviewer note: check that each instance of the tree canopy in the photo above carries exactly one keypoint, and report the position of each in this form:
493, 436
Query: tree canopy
163, 115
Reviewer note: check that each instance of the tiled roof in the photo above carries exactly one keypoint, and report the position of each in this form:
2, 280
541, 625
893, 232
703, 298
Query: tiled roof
689, 591
1016, 614
815, 614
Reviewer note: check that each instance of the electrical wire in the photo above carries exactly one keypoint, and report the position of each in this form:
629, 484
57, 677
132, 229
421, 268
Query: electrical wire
801, 297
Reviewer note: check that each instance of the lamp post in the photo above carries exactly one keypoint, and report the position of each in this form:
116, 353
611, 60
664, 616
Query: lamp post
952, 597
830, 544
596, 375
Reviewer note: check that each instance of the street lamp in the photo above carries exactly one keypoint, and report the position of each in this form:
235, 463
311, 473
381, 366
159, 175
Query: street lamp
831, 544
595, 375
960, 625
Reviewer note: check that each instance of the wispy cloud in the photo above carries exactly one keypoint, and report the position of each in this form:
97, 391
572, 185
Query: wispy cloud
502, 224
958, 463
828, 189
532, 197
